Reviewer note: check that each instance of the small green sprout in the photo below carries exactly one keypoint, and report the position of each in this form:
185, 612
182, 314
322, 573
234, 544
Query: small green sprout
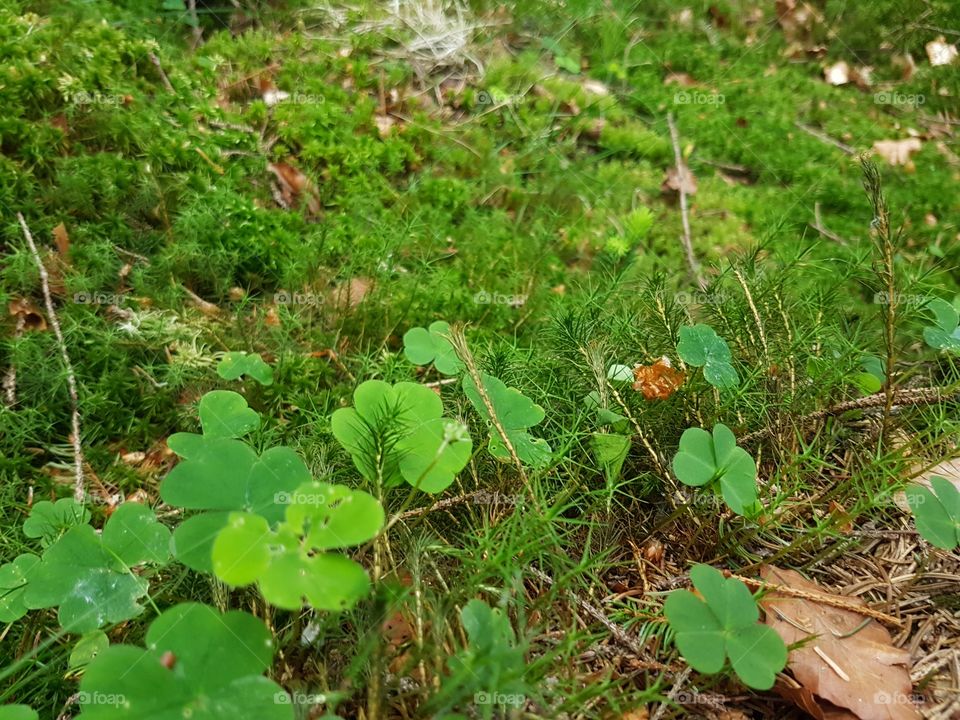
937, 512
704, 460
235, 364
700, 346
721, 624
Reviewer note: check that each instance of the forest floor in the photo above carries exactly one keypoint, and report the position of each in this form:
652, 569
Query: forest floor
309, 183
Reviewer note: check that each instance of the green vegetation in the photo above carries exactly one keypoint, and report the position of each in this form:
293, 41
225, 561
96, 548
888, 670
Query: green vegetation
355, 365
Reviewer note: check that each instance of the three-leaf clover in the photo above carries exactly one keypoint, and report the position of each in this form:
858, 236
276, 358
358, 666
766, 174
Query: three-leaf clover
223, 475
90, 576
944, 334
700, 346
48, 520
396, 433
235, 364
289, 563
723, 623
425, 345
704, 459
197, 663
937, 512
220, 473
514, 412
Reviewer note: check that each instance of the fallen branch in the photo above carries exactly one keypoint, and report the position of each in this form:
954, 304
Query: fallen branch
914, 396
78, 484
824, 138
823, 599
618, 633
682, 172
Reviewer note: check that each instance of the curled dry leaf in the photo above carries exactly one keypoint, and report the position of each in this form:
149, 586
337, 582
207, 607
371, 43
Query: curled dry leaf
897, 152
28, 315
940, 52
846, 659
62, 239
675, 179
658, 381
294, 185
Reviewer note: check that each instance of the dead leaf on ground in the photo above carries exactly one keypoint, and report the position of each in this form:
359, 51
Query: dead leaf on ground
292, 186
62, 239
948, 470
657, 381
352, 292
849, 662
674, 180
837, 74
940, 52
796, 19
679, 78
897, 152
27, 314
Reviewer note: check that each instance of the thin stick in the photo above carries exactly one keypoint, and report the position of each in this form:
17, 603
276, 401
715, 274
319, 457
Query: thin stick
682, 172
163, 76
824, 138
913, 396
618, 633
79, 485
822, 598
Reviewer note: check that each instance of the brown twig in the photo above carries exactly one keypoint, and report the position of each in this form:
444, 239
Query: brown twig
824, 138
78, 483
822, 598
682, 172
618, 633
913, 396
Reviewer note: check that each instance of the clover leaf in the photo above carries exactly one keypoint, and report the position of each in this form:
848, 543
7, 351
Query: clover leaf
17, 712
235, 364
14, 578
224, 414
700, 346
90, 577
288, 562
197, 663
937, 512
425, 345
944, 334
396, 433
723, 623
704, 459
514, 412
48, 520
224, 474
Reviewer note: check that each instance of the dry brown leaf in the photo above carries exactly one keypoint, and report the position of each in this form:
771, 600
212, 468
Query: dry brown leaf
640, 713
294, 185
940, 52
27, 314
62, 239
675, 179
657, 381
796, 19
679, 78
948, 469
850, 663
351, 293
897, 152
837, 74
